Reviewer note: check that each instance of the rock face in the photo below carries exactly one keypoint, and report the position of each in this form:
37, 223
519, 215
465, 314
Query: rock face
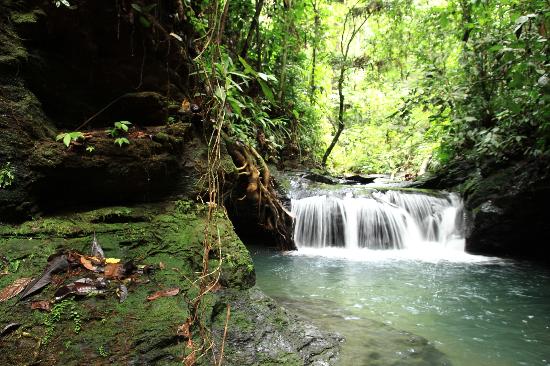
260, 332
62, 70
506, 204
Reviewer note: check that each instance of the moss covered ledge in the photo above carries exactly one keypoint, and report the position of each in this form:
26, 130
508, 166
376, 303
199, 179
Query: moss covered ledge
101, 330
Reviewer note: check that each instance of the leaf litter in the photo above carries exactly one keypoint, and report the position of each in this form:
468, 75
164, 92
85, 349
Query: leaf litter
102, 276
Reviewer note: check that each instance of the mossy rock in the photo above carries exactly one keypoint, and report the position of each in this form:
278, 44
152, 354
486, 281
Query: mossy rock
101, 330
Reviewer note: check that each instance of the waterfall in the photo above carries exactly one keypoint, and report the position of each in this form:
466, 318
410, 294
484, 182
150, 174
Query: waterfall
390, 219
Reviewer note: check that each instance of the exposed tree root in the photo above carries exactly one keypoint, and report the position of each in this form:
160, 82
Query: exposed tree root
260, 193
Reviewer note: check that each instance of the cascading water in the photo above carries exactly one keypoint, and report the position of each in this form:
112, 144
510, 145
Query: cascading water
390, 219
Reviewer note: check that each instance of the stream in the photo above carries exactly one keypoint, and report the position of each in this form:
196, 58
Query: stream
389, 272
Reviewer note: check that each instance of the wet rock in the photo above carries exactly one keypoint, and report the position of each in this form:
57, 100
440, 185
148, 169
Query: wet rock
358, 179
262, 332
506, 204
320, 178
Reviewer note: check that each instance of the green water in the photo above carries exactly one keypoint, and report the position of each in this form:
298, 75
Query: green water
406, 311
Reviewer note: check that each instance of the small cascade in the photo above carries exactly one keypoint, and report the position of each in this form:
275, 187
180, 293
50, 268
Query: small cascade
381, 220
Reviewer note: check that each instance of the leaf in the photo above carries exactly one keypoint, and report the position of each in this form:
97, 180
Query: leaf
14, 289
144, 22
136, 7
87, 264
114, 270
267, 91
263, 76
220, 94
122, 293
41, 305
235, 106
11, 327
247, 68
112, 260
121, 141
60, 136
57, 264
163, 293
96, 250
67, 139
80, 287
183, 330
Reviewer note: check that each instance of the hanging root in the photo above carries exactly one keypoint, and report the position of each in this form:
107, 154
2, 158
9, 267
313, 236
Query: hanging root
259, 192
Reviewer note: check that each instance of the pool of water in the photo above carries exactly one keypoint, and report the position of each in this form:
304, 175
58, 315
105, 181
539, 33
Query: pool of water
401, 308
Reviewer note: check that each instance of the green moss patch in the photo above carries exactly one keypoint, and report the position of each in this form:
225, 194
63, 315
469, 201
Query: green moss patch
101, 330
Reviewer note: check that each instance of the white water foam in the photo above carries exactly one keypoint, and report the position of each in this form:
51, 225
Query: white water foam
391, 225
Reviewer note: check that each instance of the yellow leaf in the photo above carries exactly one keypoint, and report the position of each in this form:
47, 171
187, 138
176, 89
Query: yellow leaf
112, 260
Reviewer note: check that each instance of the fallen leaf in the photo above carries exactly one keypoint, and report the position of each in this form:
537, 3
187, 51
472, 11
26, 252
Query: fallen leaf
185, 105
112, 260
162, 265
41, 305
122, 293
14, 289
114, 270
96, 250
87, 263
164, 293
57, 264
138, 135
190, 359
81, 287
11, 327
183, 330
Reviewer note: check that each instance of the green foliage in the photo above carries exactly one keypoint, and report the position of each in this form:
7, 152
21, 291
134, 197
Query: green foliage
433, 79
121, 141
119, 129
102, 351
69, 137
90, 149
7, 175
66, 309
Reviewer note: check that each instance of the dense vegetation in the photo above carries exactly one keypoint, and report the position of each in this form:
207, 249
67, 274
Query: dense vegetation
390, 83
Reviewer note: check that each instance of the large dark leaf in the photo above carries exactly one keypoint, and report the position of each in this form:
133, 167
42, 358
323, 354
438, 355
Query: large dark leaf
56, 265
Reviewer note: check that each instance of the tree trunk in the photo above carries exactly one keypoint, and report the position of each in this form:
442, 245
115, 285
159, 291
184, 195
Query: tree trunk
315, 42
253, 28
282, 78
341, 124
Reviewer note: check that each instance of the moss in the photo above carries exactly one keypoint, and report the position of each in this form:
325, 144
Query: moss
21, 18
135, 330
282, 359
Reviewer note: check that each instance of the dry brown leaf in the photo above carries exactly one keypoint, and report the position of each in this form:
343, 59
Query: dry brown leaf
162, 265
183, 330
87, 263
41, 305
185, 105
114, 270
164, 293
14, 289
190, 359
